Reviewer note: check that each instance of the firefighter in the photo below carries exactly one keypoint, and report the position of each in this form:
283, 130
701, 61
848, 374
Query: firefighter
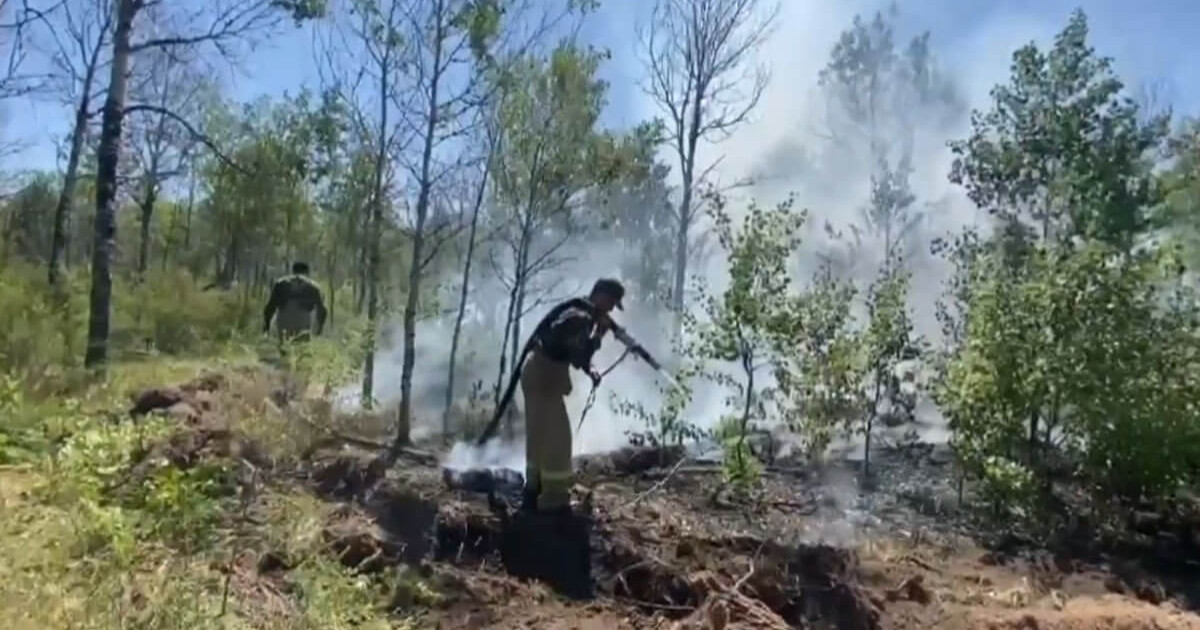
568, 336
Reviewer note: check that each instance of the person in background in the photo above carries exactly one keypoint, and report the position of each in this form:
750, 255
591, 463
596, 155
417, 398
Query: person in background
297, 306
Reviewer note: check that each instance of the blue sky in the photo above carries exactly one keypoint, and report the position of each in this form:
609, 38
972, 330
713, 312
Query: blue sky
1151, 40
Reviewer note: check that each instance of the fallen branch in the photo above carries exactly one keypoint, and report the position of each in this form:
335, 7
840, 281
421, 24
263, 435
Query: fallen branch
423, 457
737, 586
807, 507
709, 468
920, 563
638, 602
662, 482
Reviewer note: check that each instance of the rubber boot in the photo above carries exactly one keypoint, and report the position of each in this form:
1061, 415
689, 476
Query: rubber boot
529, 495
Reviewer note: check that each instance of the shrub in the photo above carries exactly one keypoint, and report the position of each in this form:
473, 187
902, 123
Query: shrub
168, 312
39, 331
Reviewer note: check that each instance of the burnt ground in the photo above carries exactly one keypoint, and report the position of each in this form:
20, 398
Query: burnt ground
671, 547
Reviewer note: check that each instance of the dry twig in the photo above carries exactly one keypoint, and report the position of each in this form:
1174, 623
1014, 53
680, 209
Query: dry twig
662, 482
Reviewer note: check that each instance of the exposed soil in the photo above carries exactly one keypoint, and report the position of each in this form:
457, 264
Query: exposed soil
669, 548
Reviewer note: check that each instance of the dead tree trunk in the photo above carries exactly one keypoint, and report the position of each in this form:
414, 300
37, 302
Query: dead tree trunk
462, 299
66, 196
149, 199
108, 157
374, 236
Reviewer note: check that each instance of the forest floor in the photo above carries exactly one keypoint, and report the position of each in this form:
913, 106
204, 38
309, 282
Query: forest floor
671, 548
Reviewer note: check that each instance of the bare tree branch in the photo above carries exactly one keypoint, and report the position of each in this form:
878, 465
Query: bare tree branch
697, 56
227, 20
195, 133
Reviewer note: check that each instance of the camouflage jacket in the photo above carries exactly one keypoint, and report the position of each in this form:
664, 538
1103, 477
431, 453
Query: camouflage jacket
295, 299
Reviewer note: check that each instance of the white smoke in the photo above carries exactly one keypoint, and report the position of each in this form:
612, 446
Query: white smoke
496, 454
782, 145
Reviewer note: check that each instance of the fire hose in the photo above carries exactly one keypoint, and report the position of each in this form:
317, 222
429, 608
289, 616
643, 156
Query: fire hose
591, 399
631, 347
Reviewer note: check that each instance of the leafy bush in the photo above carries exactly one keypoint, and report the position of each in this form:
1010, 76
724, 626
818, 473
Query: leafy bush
819, 368
38, 330
181, 506
168, 312
1085, 350
740, 466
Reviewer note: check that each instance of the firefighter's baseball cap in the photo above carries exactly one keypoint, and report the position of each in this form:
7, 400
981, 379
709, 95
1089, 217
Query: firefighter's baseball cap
611, 287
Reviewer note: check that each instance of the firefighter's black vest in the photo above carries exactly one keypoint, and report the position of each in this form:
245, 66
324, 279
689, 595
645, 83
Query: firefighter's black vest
552, 345
552, 350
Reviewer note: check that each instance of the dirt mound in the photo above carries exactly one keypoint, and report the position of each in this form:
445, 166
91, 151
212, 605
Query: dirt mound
466, 534
744, 576
359, 543
344, 474
192, 398
202, 433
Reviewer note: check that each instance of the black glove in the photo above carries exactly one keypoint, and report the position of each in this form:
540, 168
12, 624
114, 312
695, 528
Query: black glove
592, 372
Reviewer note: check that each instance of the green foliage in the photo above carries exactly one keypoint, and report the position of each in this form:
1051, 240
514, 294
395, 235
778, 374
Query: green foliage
890, 327
25, 216
39, 330
739, 465
1179, 214
1078, 346
93, 460
330, 360
886, 341
82, 533
337, 600
880, 86
1079, 349
1009, 487
552, 147
302, 10
17, 441
181, 506
481, 21
1061, 148
881, 93
169, 313
740, 323
819, 369
637, 211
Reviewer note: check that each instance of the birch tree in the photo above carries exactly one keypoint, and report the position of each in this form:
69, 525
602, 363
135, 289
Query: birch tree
698, 56
480, 189
449, 43
372, 31
878, 94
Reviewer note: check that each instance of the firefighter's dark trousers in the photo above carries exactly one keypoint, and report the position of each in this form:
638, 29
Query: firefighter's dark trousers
545, 384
